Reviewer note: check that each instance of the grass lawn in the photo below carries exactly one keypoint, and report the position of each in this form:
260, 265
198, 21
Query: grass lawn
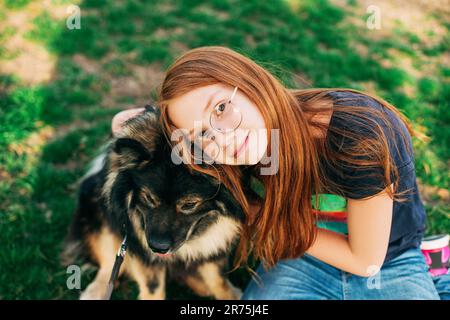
60, 87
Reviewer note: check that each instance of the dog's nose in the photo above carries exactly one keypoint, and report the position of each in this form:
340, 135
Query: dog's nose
160, 246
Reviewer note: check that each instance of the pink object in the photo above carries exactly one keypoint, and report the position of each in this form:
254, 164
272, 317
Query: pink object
437, 253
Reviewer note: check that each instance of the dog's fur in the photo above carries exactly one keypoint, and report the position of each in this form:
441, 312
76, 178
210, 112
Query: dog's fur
135, 188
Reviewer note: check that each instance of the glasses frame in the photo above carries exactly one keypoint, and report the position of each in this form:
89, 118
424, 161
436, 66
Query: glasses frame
230, 101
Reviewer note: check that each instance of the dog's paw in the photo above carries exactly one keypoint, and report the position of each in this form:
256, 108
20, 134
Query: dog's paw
230, 292
236, 293
95, 291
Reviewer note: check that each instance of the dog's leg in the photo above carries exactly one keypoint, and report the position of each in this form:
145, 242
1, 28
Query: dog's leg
197, 284
104, 246
220, 287
150, 279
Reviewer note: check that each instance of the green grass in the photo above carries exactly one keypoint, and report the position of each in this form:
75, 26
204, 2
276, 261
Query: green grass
49, 132
16, 4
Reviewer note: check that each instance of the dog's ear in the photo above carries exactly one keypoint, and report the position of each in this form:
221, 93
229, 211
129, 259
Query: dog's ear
129, 153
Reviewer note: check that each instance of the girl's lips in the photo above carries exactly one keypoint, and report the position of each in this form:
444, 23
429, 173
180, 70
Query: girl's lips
242, 147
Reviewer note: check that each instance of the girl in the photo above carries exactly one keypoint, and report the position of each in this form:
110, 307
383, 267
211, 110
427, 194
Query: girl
336, 213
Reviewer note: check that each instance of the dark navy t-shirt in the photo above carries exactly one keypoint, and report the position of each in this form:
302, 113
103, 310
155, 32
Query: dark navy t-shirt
409, 217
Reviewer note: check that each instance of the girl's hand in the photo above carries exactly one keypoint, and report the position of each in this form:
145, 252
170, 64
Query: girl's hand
121, 117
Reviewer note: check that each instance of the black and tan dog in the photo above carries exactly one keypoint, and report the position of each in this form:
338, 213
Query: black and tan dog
178, 224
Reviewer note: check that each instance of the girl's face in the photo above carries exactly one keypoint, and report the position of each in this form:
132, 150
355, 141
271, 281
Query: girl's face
244, 145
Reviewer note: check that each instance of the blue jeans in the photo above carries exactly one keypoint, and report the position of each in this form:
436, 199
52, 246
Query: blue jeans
308, 278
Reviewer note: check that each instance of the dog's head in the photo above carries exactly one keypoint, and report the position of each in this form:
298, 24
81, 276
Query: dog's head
168, 211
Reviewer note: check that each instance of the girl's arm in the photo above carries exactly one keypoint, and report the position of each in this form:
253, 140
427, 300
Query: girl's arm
364, 250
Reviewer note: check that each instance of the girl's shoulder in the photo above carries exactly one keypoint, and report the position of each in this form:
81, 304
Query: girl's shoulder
354, 110
344, 96
357, 116
361, 132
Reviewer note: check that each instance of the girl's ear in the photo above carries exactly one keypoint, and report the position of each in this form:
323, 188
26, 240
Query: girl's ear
130, 153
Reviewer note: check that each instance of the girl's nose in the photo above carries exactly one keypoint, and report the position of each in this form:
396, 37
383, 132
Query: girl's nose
223, 139
219, 142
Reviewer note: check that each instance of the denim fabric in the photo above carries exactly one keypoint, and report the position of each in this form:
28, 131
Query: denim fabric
405, 277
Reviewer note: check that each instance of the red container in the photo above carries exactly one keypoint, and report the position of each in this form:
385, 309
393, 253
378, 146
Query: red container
437, 253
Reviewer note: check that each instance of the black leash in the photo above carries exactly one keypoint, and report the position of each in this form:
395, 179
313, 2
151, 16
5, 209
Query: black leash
116, 268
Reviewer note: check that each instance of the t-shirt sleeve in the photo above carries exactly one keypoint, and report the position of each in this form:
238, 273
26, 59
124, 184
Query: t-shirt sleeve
366, 177
363, 182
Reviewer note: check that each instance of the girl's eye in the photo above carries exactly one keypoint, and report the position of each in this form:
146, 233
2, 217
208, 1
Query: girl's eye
199, 136
207, 134
220, 108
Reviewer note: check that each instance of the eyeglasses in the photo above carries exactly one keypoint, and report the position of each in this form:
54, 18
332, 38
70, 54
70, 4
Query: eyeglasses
224, 118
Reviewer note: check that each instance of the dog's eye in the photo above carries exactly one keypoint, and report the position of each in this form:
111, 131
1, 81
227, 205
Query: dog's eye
188, 206
148, 198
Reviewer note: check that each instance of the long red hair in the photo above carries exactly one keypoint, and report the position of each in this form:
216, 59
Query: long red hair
284, 227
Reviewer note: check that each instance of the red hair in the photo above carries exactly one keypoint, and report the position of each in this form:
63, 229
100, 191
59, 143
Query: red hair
284, 227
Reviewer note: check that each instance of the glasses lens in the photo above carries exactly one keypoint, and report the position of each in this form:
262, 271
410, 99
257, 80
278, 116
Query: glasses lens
225, 117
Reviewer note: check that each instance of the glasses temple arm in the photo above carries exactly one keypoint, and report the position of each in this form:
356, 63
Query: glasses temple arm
234, 92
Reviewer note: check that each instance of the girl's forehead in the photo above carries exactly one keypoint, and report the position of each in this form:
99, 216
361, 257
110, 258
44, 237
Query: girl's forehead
186, 109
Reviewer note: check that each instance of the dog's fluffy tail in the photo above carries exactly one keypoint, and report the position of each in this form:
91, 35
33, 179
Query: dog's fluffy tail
73, 250
74, 245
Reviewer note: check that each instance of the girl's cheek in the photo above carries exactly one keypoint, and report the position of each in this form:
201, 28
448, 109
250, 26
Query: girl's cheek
212, 151
259, 145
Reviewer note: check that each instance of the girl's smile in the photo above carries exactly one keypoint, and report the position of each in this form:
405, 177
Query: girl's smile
242, 148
